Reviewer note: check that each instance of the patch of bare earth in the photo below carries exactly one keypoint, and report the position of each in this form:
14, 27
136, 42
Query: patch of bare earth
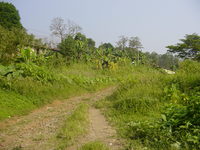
34, 131
99, 130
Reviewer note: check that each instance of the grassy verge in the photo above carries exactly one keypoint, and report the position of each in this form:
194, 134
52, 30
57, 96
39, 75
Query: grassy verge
19, 94
136, 104
96, 145
75, 125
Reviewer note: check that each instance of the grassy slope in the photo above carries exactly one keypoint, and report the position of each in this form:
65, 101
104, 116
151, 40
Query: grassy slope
26, 94
139, 99
153, 110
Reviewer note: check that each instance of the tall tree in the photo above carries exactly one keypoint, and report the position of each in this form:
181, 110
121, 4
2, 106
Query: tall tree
188, 49
73, 28
122, 43
62, 30
134, 42
134, 47
58, 28
9, 16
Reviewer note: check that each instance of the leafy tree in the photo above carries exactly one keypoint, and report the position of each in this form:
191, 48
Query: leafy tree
80, 37
81, 45
91, 43
68, 47
122, 43
168, 61
8, 45
74, 48
106, 46
134, 43
9, 16
188, 49
133, 51
11, 41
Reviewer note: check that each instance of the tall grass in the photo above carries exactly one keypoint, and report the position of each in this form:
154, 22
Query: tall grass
153, 110
139, 99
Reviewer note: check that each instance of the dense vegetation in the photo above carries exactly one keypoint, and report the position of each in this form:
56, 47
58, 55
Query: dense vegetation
151, 109
158, 111
9, 16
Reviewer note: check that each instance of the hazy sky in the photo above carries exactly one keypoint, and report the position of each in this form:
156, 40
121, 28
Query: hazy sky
157, 23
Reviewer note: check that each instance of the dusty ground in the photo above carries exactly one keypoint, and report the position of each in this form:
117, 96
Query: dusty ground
34, 131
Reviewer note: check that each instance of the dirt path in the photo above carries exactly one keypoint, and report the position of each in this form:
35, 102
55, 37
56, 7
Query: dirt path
33, 132
99, 130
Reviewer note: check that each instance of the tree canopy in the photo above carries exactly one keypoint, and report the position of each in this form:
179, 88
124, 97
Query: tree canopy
9, 16
188, 49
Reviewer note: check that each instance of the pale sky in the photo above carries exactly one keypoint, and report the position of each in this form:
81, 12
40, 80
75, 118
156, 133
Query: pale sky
157, 23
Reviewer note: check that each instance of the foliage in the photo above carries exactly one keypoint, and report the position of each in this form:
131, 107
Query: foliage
182, 114
8, 45
74, 48
189, 48
106, 46
36, 85
9, 16
165, 116
12, 41
167, 60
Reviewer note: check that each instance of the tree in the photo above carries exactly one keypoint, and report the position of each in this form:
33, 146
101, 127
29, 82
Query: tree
91, 43
73, 28
58, 28
122, 43
134, 48
80, 37
106, 46
9, 16
134, 43
188, 49
62, 30
68, 47
168, 61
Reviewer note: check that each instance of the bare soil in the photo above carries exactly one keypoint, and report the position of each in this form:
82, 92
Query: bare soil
34, 131
99, 130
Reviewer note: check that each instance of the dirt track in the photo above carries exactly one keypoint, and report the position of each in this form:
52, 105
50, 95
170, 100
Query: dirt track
34, 131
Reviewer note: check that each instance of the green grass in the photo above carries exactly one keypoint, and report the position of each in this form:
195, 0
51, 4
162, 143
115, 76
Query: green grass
96, 145
138, 99
19, 95
13, 104
154, 111
75, 125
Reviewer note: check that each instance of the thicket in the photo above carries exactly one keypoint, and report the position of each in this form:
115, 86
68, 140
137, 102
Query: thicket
153, 110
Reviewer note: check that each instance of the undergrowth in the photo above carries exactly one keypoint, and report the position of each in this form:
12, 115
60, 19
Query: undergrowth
158, 111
